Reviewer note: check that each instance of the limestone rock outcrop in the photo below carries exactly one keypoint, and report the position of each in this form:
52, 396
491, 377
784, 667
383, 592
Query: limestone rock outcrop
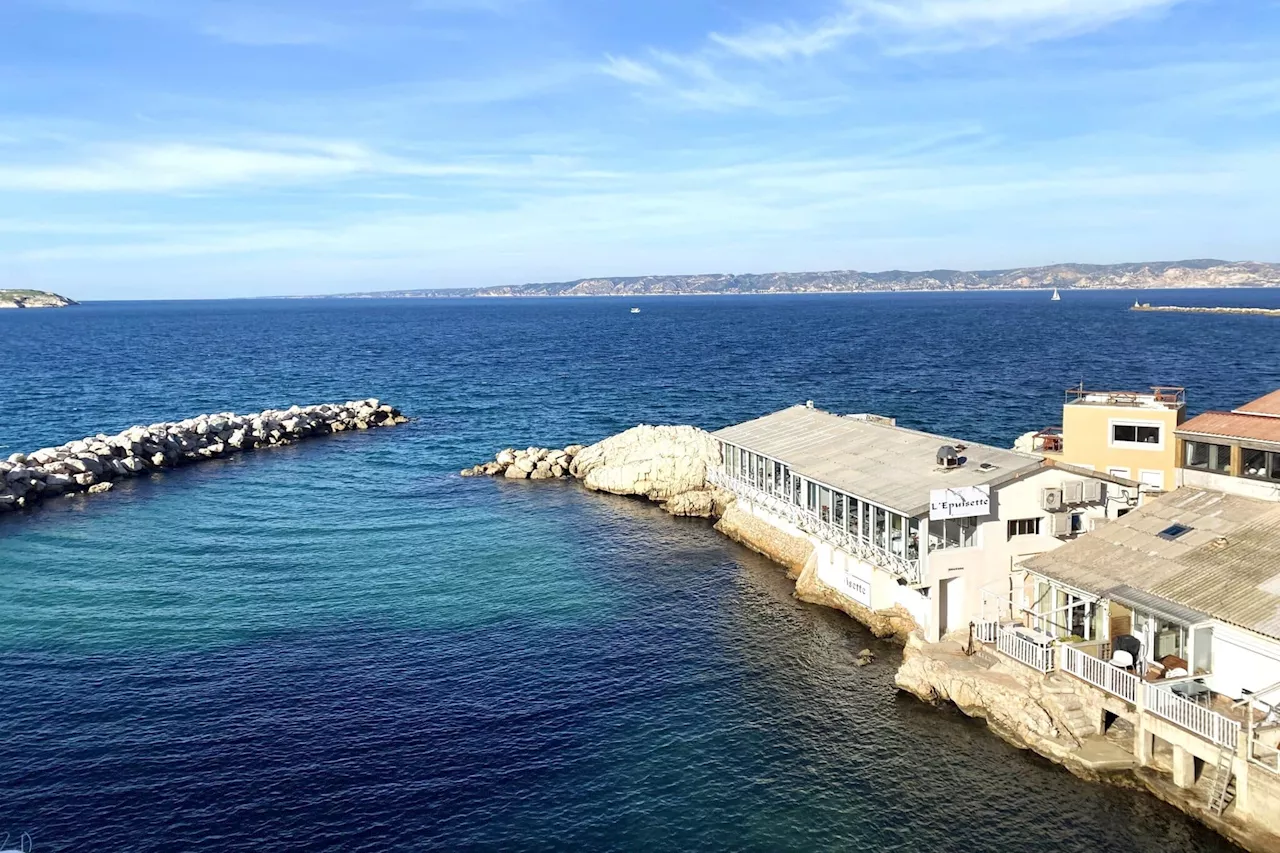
1007, 699
793, 553
656, 462
665, 464
92, 464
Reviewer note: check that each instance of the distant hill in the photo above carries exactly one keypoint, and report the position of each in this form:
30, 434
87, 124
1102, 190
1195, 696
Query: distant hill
1161, 274
32, 299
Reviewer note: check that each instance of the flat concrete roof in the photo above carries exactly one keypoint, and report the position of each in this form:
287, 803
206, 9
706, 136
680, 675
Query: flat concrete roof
1226, 566
887, 465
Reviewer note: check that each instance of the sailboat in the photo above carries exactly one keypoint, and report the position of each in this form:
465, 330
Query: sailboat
1055, 297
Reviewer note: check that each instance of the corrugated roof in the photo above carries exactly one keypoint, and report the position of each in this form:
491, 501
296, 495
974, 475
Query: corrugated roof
888, 465
1226, 566
1268, 404
1232, 425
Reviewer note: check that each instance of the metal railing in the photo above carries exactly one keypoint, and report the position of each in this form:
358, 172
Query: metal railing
908, 569
1197, 719
1023, 650
1099, 673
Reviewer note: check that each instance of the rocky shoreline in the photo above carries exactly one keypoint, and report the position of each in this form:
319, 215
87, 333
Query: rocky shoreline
92, 465
669, 465
665, 464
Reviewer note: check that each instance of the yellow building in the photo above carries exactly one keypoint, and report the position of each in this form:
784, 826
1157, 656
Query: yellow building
1122, 433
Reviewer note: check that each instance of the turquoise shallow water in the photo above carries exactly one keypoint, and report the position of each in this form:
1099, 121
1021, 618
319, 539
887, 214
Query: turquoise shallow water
344, 644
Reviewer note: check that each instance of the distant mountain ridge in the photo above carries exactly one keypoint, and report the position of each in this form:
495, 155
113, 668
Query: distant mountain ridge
1161, 274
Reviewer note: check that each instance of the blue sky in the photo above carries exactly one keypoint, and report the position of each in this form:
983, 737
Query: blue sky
208, 148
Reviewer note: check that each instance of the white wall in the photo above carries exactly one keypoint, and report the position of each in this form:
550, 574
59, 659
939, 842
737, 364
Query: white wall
1242, 486
1243, 659
988, 566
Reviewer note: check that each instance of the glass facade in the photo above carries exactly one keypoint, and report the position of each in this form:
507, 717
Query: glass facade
875, 526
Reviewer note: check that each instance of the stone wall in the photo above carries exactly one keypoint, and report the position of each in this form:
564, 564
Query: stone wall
93, 464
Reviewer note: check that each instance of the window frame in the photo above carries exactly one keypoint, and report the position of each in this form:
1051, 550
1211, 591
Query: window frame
1136, 443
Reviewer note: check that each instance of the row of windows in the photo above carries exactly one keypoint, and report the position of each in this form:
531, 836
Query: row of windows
1258, 464
894, 533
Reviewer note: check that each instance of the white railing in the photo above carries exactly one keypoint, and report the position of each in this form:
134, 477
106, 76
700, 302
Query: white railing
1186, 714
1099, 673
1024, 650
986, 630
810, 523
1264, 756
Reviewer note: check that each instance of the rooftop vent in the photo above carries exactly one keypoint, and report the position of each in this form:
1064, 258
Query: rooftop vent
1173, 531
947, 457
987, 466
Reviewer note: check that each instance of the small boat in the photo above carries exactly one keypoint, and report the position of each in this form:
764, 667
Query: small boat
635, 310
1055, 297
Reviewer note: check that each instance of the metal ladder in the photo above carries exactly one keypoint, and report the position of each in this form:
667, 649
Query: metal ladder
1222, 781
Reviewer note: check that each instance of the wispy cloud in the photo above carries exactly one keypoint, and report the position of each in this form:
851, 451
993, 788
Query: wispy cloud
918, 25
716, 78
178, 167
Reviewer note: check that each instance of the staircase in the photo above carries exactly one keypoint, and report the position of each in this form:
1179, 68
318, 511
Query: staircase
1064, 704
1219, 795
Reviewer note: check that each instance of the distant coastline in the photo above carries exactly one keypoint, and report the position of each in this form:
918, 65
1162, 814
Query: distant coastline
1189, 274
33, 299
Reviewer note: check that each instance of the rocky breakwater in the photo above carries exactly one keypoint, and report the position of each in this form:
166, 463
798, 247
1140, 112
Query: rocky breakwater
665, 464
534, 463
94, 464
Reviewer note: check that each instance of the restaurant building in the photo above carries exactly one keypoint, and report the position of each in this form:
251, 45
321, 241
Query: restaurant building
905, 519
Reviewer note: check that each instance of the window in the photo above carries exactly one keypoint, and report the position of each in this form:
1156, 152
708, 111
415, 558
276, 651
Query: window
952, 533
1173, 531
1260, 464
1207, 457
1134, 434
1024, 527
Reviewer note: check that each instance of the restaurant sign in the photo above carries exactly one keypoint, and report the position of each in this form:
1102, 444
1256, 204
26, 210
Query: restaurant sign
959, 502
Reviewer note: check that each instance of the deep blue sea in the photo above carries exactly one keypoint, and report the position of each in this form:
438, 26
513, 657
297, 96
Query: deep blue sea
344, 646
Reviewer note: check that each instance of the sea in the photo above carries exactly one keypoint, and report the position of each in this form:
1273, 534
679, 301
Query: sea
343, 645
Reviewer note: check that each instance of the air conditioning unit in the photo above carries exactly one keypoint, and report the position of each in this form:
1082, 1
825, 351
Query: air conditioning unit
1093, 491
1073, 492
1060, 524
1051, 500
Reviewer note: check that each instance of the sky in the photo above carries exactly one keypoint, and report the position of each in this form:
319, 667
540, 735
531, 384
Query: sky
223, 148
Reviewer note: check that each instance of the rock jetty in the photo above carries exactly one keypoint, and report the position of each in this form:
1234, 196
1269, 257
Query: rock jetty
665, 464
94, 464
534, 463
1183, 309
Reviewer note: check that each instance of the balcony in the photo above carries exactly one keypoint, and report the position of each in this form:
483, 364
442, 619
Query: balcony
1159, 397
905, 568
1048, 440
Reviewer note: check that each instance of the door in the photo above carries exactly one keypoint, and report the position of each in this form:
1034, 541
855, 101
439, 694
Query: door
950, 605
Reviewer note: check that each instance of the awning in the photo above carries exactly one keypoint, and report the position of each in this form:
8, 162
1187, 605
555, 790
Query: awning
1157, 606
